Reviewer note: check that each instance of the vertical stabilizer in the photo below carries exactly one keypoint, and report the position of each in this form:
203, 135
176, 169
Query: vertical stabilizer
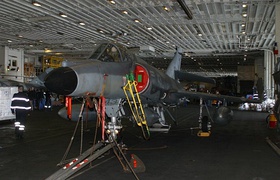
175, 64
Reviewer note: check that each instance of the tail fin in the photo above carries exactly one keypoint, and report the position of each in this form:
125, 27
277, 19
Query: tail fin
174, 72
175, 64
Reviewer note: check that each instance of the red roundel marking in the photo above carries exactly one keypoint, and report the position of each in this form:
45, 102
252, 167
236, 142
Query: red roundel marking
141, 77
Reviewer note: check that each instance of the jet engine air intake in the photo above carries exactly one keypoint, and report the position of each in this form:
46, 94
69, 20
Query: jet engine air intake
55, 81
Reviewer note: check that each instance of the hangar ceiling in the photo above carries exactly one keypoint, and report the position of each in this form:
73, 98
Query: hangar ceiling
216, 35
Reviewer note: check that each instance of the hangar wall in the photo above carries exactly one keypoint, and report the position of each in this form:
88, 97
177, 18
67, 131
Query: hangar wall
12, 63
245, 79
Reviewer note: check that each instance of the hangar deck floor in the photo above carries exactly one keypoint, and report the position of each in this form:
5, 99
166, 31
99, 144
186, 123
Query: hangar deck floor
237, 151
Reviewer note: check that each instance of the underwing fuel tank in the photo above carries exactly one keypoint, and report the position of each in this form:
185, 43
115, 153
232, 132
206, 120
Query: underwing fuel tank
88, 115
92, 78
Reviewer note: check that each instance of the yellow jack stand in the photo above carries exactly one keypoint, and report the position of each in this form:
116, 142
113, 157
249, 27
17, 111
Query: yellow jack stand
203, 134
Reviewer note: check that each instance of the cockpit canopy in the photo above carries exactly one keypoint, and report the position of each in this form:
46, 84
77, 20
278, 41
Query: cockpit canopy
110, 53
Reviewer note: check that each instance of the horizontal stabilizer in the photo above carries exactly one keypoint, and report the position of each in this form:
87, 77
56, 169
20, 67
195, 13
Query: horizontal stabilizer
185, 76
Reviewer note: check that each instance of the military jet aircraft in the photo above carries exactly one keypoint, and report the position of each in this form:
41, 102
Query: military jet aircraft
111, 73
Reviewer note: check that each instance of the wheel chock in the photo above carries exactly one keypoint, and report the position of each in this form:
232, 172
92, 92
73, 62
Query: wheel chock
203, 134
136, 164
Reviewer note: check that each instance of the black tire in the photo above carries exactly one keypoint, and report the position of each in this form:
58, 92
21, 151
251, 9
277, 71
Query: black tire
267, 119
204, 125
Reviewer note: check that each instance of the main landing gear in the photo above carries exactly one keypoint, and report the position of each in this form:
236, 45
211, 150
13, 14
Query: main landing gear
204, 125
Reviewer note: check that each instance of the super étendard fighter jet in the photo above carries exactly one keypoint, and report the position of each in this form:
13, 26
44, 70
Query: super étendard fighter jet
111, 72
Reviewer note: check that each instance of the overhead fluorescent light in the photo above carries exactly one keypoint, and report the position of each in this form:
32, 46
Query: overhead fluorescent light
36, 4
48, 51
166, 8
112, 2
124, 12
63, 15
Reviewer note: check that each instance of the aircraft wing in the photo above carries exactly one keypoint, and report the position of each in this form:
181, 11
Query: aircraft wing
37, 82
206, 96
185, 76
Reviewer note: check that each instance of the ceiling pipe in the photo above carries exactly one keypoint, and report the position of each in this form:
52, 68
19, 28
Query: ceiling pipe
186, 9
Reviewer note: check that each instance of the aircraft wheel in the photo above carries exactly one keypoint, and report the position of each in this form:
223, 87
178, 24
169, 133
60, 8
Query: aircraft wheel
267, 119
204, 124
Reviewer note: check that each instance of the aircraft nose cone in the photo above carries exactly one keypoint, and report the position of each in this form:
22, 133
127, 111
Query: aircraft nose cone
62, 81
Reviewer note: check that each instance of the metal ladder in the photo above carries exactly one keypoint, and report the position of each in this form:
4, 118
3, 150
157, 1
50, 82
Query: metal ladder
135, 105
